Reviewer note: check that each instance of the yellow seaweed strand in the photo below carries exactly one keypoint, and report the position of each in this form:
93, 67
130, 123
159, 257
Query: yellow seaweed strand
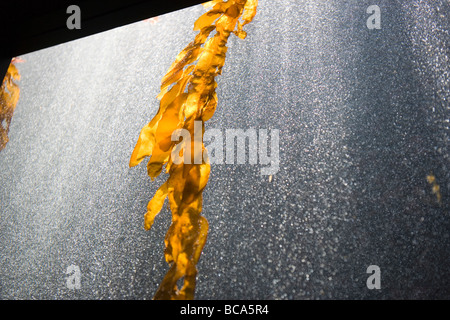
9, 96
188, 98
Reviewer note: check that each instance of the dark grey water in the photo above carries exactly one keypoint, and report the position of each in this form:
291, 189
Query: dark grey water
363, 118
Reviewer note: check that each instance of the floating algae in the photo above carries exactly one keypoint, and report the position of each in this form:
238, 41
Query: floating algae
434, 187
188, 97
9, 96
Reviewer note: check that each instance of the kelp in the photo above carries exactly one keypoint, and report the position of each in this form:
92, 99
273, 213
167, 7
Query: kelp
9, 96
188, 97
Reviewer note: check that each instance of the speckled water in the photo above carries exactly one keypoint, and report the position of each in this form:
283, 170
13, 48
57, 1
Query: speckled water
363, 118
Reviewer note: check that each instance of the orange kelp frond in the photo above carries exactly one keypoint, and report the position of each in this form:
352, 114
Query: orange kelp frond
9, 96
187, 99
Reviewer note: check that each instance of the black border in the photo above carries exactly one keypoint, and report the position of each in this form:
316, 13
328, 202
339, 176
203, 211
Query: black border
277, 309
